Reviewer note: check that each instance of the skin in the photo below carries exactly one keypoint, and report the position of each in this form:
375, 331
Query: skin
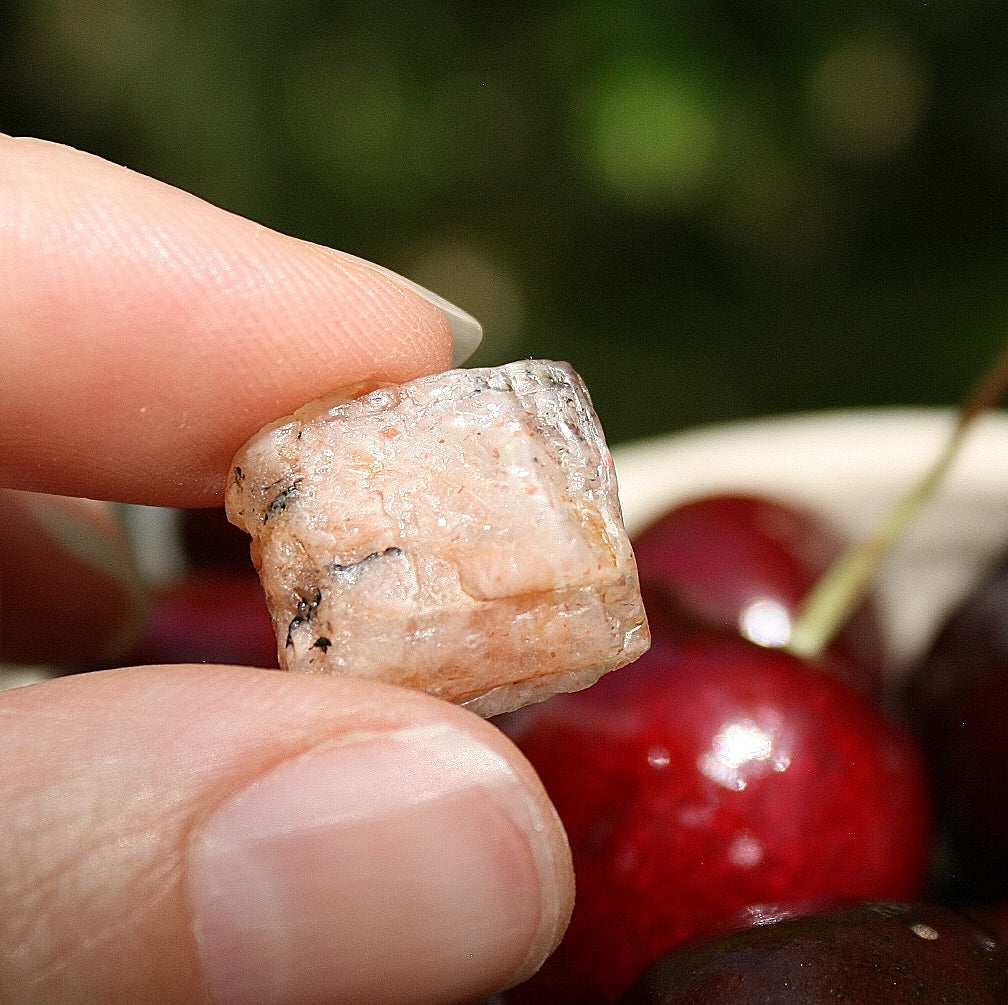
144, 335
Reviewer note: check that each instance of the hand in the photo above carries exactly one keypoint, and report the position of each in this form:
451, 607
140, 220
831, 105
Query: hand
219, 834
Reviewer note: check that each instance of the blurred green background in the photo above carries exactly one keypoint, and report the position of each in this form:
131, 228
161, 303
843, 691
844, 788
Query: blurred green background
714, 210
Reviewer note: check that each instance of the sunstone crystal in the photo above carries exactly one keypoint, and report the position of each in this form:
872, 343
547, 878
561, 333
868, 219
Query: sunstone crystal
460, 534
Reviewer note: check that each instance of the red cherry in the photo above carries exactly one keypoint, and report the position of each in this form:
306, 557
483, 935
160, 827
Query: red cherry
743, 565
210, 617
712, 775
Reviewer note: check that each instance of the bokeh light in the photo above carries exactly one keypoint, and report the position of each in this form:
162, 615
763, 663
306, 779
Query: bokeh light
713, 211
868, 94
650, 134
478, 282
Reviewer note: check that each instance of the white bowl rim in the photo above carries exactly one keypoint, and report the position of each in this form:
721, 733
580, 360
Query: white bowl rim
851, 465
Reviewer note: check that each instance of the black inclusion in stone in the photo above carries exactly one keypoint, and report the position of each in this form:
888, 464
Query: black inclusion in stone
350, 571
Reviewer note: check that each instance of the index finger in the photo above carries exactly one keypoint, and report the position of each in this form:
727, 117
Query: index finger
145, 334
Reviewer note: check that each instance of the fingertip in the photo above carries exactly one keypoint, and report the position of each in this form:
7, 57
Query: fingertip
466, 331
272, 837
426, 818
170, 330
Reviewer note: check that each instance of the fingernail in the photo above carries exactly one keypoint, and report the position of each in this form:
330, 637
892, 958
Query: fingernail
467, 332
385, 867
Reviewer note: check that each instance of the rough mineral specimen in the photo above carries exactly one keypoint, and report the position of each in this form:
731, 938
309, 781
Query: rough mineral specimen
460, 534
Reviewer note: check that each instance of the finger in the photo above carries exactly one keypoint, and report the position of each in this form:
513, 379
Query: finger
144, 334
70, 594
212, 834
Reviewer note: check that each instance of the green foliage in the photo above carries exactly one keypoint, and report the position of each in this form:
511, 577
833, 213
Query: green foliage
712, 209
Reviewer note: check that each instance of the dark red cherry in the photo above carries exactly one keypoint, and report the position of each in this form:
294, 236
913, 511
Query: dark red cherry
216, 611
877, 953
711, 775
743, 565
209, 540
957, 702
213, 616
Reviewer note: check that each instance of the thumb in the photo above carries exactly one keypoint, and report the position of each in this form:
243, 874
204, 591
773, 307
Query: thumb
219, 834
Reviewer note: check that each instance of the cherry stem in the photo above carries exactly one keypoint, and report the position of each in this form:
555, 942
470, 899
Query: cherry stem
831, 601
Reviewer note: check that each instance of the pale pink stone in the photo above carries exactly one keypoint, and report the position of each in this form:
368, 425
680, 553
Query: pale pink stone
460, 534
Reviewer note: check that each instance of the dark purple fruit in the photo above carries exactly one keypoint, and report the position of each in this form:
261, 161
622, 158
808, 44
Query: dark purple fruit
879, 953
957, 703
